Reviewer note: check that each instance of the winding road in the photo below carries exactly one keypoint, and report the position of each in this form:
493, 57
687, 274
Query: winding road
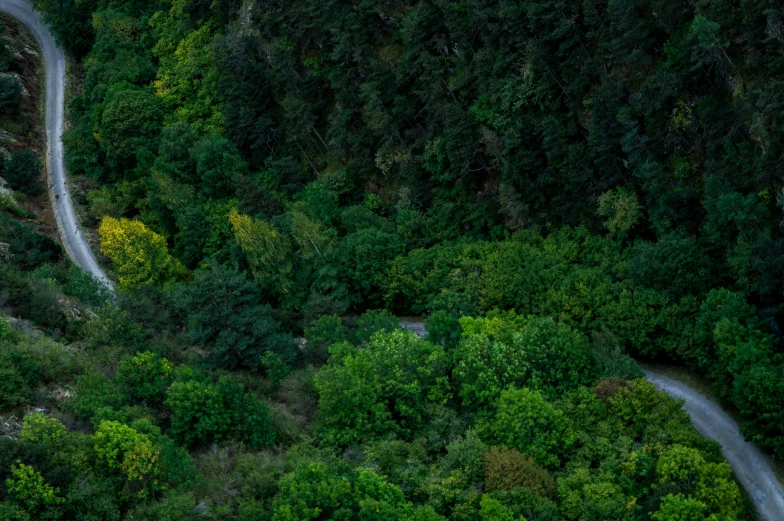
54, 60
751, 468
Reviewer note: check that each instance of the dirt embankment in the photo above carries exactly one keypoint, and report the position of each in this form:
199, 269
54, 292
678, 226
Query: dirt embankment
23, 129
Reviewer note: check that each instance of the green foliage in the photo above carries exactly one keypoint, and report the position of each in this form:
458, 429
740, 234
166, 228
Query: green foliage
525, 421
94, 391
364, 256
218, 162
325, 331
6, 333
673, 265
23, 170
28, 249
430, 158
381, 389
122, 448
224, 315
144, 377
204, 413
554, 356
466, 454
10, 95
38, 428
621, 208
199, 413
13, 388
677, 507
314, 489
371, 322
28, 488
70, 22
710, 484
544, 355
274, 367
86, 288
131, 121
494, 510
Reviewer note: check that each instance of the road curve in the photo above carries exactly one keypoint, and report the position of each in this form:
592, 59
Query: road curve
54, 60
746, 460
751, 468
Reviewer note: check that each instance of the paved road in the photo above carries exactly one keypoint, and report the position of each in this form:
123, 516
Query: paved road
68, 225
751, 468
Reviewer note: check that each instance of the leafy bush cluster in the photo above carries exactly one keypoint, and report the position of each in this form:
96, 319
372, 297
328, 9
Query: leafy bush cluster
404, 428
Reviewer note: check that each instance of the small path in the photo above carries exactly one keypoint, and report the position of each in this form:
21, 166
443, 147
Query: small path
60, 198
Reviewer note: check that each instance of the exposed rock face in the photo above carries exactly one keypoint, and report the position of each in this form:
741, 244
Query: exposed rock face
9, 427
16, 79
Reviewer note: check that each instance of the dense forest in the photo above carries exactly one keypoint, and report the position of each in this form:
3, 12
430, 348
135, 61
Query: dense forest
559, 186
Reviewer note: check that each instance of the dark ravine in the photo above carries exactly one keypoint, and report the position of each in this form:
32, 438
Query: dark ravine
54, 61
750, 467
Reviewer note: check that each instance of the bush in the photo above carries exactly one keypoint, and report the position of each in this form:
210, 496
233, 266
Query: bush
371, 322
94, 391
527, 422
325, 331
23, 172
144, 377
13, 391
226, 317
507, 469
28, 248
204, 413
10, 95
82, 286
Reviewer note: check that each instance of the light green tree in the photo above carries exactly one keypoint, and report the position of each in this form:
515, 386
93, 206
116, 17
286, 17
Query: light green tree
267, 252
525, 421
127, 450
29, 489
41, 429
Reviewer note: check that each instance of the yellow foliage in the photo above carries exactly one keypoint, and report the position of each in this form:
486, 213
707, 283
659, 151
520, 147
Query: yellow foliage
121, 447
140, 256
266, 251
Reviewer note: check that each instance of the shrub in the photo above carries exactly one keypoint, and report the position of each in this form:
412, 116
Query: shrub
94, 391
145, 376
508, 469
23, 172
10, 95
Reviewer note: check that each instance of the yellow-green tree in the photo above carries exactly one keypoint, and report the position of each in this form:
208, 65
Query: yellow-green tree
39, 428
140, 256
128, 450
29, 490
266, 250
187, 76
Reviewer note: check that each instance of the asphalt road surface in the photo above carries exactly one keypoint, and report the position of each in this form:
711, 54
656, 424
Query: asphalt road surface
751, 468
54, 61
